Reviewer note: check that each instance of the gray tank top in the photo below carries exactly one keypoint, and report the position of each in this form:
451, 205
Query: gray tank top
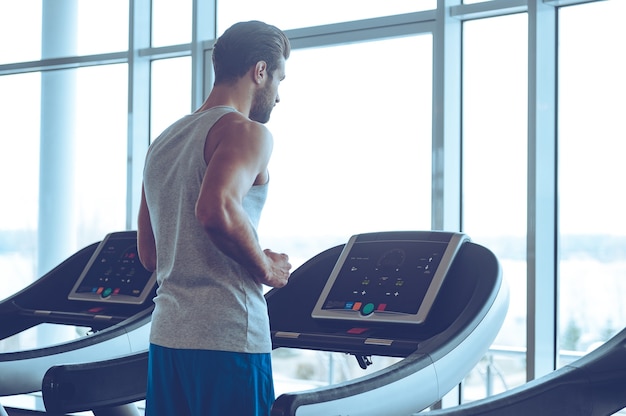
205, 299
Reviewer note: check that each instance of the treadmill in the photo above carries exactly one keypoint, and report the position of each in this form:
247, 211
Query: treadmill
434, 299
594, 385
102, 288
459, 285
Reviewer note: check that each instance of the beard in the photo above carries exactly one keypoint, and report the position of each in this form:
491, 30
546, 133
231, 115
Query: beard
262, 105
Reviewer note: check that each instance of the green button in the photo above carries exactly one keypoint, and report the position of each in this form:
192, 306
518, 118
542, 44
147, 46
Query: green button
367, 309
107, 292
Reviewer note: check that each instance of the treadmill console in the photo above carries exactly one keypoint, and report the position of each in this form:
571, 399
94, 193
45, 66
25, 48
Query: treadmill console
388, 277
114, 274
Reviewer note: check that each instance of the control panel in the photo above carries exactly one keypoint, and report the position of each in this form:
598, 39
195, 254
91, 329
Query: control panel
391, 277
114, 273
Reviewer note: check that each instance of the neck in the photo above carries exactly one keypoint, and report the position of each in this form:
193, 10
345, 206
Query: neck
229, 96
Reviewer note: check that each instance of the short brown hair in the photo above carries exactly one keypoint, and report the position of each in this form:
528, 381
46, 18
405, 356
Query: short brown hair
243, 45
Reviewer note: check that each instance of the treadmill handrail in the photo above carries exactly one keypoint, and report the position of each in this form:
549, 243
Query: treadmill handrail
68, 388
116, 330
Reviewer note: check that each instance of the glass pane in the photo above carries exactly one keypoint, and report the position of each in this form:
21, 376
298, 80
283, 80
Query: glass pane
289, 14
101, 150
170, 96
83, 122
591, 133
20, 31
19, 170
83, 157
171, 22
352, 154
91, 28
102, 26
349, 158
83, 28
494, 172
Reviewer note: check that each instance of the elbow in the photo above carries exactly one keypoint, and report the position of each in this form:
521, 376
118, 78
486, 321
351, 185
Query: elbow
146, 244
149, 263
212, 219
147, 256
146, 250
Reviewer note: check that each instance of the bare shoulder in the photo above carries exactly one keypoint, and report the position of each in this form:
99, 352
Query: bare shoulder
236, 129
238, 143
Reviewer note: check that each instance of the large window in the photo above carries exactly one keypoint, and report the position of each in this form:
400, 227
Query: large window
373, 90
64, 150
347, 161
170, 93
495, 119
100, 151
592, 144
19, 183
353, 147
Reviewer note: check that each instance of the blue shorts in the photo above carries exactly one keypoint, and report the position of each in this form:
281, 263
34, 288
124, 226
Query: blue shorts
201, 382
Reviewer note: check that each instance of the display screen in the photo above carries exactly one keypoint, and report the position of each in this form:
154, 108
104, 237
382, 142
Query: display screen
388, 277
385, 276
114, 273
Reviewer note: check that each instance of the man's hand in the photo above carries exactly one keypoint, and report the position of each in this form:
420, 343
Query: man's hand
279, 269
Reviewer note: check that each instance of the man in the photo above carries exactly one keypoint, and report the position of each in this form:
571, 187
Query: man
205, 183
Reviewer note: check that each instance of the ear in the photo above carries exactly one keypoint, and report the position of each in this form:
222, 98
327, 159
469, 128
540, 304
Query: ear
260, 72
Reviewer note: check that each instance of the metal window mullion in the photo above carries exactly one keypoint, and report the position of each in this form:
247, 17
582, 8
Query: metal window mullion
568, 2
362, 30
446, 147
138, 104
542, 284
491, 8
70, 62
204, 31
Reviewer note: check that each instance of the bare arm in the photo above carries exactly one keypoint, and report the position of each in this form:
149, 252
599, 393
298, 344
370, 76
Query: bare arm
146, 246
236, 162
